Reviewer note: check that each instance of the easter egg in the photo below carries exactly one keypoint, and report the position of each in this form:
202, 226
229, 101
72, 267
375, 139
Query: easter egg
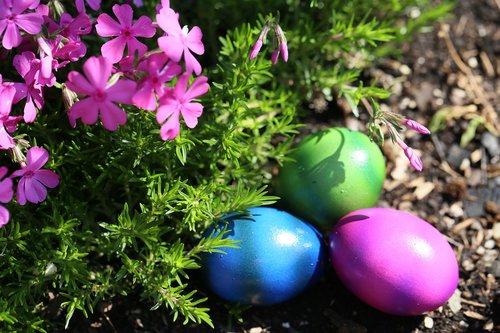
332, 173
393, 261
279, 255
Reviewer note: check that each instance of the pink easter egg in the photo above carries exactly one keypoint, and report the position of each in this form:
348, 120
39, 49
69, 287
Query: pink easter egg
393, 261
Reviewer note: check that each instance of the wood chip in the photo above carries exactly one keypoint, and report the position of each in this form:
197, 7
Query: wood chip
476, 304
476, 156
487, 65
423, 190
463, 225
474, 315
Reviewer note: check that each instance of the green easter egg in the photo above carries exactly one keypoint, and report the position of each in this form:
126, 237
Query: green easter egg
333, 172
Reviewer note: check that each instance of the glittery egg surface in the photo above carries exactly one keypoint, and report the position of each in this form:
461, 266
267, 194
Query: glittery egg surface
279, 255
393, 261
332, 173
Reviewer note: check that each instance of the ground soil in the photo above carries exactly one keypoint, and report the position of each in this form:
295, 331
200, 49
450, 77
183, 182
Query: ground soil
453, 67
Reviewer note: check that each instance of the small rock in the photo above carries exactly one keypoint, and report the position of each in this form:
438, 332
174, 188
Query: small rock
489, 244
463, 324
491, 143
455, 302
472, 62
256, 330
468, 265
489, 325
285, 324
496, 231
480, 250
495, 268
456, 155
428, 322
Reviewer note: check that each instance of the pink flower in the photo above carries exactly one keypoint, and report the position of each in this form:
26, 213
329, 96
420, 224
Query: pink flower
415, 161
180, 40
281, 40
100, 94
6, 193
179, 100
7, 123
126, 32
416, 126
256, 49
25, 66
12, 18
34, 180
163, 4
158, 70
94, 4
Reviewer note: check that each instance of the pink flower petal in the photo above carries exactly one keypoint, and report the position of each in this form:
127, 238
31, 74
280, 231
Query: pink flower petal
124, 14
36, 158
171, 128
12, 37
198, 88
166, 109
107, 26
181, 86
172, 46
19, 6
47, 177
190, 113
143, 27
6, 191
112, 116
3, 25
134, 45
80, 6
194, 41
22, 62
6, 140
113, 49
4, 216
94, 4
97, 70
122, 91
168, 21
31, 22
86, 109
145, 98
29, 111
35, 192
3, 172
79, 84
20, 193
191, 63
21, 92
6, 98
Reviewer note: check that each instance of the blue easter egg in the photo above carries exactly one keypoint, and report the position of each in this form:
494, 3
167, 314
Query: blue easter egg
279, 255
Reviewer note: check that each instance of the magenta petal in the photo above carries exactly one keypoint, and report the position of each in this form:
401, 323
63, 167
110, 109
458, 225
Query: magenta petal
94, 4
31, 22
6, 191
198, 88
20, 193
7, 95
35, 192
12, 37
36, 158
124, 14
191, 63
4, 216
172, 46
22, 62
46, 68
134, 45
113, 49
97, 70
171, 128
21, 92
168, 21
6, 140
143, 27
122, 91
166, 109
106, 26
3, 25
112, 116
3, 171
86, 109
145, 98
190, 113
47, 177
29, 111
181, 85
80, 6
79, 84
194, 41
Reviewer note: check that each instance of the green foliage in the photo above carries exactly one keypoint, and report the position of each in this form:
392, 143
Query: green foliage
131, 210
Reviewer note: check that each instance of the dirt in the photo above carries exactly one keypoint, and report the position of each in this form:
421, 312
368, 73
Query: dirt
456, 67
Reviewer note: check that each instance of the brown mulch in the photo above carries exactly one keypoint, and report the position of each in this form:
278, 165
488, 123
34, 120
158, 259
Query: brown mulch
455, 70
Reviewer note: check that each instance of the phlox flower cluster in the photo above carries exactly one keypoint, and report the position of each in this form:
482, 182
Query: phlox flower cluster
143, 63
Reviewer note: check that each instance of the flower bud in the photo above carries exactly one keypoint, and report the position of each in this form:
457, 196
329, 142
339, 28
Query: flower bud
416, 126
275, 56
255, 49
415, 161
